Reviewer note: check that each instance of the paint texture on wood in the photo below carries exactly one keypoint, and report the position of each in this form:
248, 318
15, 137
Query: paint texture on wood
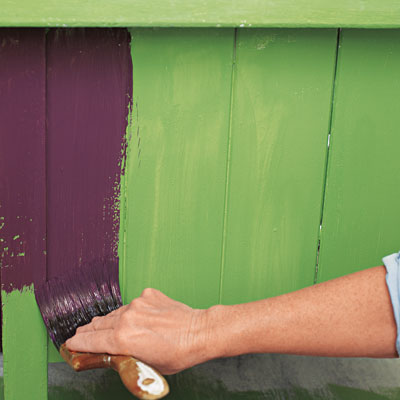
24, 346
176, 166
22, 157
89, 85
22, 210
205, 13
283, 81
361, 220
89, 89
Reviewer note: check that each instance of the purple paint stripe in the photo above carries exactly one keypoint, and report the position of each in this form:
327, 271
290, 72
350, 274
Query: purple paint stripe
89, 87
22, 157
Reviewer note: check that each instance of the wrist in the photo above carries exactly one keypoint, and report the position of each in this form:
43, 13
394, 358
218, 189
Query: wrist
224, 327
238, 329
208, 333
223, 331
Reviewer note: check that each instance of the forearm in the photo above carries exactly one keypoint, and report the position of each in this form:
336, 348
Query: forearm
351, 316
346, 317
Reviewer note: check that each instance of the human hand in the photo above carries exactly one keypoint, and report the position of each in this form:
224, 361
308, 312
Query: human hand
159, 331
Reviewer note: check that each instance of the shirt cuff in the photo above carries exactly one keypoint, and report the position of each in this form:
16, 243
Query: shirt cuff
392, 264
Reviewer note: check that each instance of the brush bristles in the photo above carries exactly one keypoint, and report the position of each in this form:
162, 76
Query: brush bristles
73, 300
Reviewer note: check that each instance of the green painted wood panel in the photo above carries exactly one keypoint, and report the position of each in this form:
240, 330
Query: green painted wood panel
25, 347
23, 241
205, 13
361, 220
283, 82
176, 167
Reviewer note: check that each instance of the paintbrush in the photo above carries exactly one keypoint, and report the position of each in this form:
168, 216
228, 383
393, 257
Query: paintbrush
72, 300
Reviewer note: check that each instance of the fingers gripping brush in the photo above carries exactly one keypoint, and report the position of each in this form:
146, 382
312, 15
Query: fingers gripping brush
73, 300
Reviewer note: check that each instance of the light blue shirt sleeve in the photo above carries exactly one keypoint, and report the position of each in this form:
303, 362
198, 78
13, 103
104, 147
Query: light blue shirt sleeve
392, 264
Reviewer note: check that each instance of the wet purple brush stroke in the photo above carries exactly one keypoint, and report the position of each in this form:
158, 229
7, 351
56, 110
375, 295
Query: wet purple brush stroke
86, 95
22, 157
89, 88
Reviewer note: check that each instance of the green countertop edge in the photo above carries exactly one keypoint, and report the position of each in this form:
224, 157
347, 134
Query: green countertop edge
204, 13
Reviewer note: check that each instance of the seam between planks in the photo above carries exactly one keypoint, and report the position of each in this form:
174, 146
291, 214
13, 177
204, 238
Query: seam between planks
46, 172
46, 177
228, 162
325, 178
46, 136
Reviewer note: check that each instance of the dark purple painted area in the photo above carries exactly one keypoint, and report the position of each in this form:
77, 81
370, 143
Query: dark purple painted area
22, 157
80, 82
89, 87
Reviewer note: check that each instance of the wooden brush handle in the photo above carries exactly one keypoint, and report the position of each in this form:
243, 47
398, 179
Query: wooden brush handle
141, 380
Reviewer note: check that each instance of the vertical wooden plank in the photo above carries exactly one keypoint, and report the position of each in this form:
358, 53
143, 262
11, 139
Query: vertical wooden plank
89, 87
176, 167
280, 118
23, 210
361, 220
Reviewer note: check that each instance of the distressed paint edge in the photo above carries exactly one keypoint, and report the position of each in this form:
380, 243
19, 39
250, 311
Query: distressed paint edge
123, 183
123, 201
19, 308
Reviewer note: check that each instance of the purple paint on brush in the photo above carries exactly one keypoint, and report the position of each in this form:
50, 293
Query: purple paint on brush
22, 157
89, 88
73, 299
